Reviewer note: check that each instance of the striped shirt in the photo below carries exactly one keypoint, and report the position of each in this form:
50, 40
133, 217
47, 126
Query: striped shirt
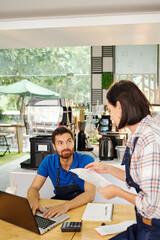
145, 167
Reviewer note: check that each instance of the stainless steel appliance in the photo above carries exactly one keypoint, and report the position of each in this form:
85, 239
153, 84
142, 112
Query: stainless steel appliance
44, 115
118, 139
106, 149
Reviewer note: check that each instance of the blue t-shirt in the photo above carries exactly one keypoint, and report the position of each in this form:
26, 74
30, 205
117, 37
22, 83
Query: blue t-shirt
49, 165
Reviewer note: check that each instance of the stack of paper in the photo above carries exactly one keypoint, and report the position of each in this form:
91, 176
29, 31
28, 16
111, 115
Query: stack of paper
98, 212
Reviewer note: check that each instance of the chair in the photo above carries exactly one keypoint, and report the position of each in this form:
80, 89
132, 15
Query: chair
3, 142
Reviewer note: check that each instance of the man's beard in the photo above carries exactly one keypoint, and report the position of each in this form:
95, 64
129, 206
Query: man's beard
67, 153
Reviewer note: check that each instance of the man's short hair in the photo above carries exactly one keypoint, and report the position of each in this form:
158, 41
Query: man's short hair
60, 131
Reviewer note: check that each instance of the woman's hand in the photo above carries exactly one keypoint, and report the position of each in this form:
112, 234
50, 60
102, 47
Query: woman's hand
109, 192
106, 168
98, 167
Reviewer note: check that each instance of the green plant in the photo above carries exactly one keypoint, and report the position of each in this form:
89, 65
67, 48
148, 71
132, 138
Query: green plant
1, 114
107, 80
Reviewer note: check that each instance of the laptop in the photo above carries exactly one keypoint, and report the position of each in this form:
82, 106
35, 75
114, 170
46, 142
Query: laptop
16, 210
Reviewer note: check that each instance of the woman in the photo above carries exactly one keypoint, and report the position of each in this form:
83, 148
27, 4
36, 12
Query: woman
129, 108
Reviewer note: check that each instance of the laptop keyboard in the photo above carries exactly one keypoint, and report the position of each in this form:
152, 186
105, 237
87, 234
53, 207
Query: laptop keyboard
43, 222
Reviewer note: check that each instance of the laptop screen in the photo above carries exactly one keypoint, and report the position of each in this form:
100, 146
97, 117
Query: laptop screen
16, 210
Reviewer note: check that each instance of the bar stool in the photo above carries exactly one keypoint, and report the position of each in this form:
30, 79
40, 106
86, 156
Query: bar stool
3, 142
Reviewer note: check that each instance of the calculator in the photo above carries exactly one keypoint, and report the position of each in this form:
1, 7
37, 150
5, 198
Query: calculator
71, 227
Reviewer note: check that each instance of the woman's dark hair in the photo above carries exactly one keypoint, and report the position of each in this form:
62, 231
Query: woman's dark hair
60, 131
135, 105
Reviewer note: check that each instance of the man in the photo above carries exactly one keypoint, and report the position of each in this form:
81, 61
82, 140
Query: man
67, 185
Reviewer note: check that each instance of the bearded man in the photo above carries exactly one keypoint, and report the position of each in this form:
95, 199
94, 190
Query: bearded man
67, 185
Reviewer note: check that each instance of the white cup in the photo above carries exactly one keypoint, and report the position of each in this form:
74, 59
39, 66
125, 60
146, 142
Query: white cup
89, 145
11, 189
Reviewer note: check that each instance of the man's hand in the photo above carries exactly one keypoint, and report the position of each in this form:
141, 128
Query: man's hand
33, 193
56, 210
35, 206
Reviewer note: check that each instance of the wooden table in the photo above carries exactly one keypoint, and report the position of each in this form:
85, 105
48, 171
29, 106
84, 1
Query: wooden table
11, 232
19, 132
121, 212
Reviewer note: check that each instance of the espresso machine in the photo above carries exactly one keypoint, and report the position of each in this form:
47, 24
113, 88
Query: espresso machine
105, 124
82, 140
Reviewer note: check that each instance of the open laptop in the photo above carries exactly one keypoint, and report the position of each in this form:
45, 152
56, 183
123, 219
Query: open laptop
16, 210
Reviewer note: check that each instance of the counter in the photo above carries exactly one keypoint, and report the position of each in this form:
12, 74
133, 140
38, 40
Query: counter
23, 180
24, 177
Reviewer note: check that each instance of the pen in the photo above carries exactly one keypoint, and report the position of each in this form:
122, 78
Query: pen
106, 210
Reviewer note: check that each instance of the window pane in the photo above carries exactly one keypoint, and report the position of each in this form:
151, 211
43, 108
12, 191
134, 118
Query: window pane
139, 64
65, 70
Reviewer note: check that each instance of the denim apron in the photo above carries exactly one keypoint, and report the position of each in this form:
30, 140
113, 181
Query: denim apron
145, 229
66, 192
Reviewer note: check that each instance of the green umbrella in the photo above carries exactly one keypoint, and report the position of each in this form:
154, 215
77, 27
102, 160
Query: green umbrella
26, 88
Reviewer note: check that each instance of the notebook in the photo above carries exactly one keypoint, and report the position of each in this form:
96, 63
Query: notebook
16, 210
98, 212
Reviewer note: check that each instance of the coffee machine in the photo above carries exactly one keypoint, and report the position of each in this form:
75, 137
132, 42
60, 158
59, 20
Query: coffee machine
82, 140
105, 124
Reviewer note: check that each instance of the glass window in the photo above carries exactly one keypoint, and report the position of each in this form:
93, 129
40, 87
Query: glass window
139, 64
65, 70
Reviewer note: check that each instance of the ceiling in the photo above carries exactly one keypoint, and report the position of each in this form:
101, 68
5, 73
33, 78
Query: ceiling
50, 23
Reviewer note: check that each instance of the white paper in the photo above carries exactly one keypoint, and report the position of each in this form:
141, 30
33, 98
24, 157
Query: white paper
91, 176
98, 212
115, 228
